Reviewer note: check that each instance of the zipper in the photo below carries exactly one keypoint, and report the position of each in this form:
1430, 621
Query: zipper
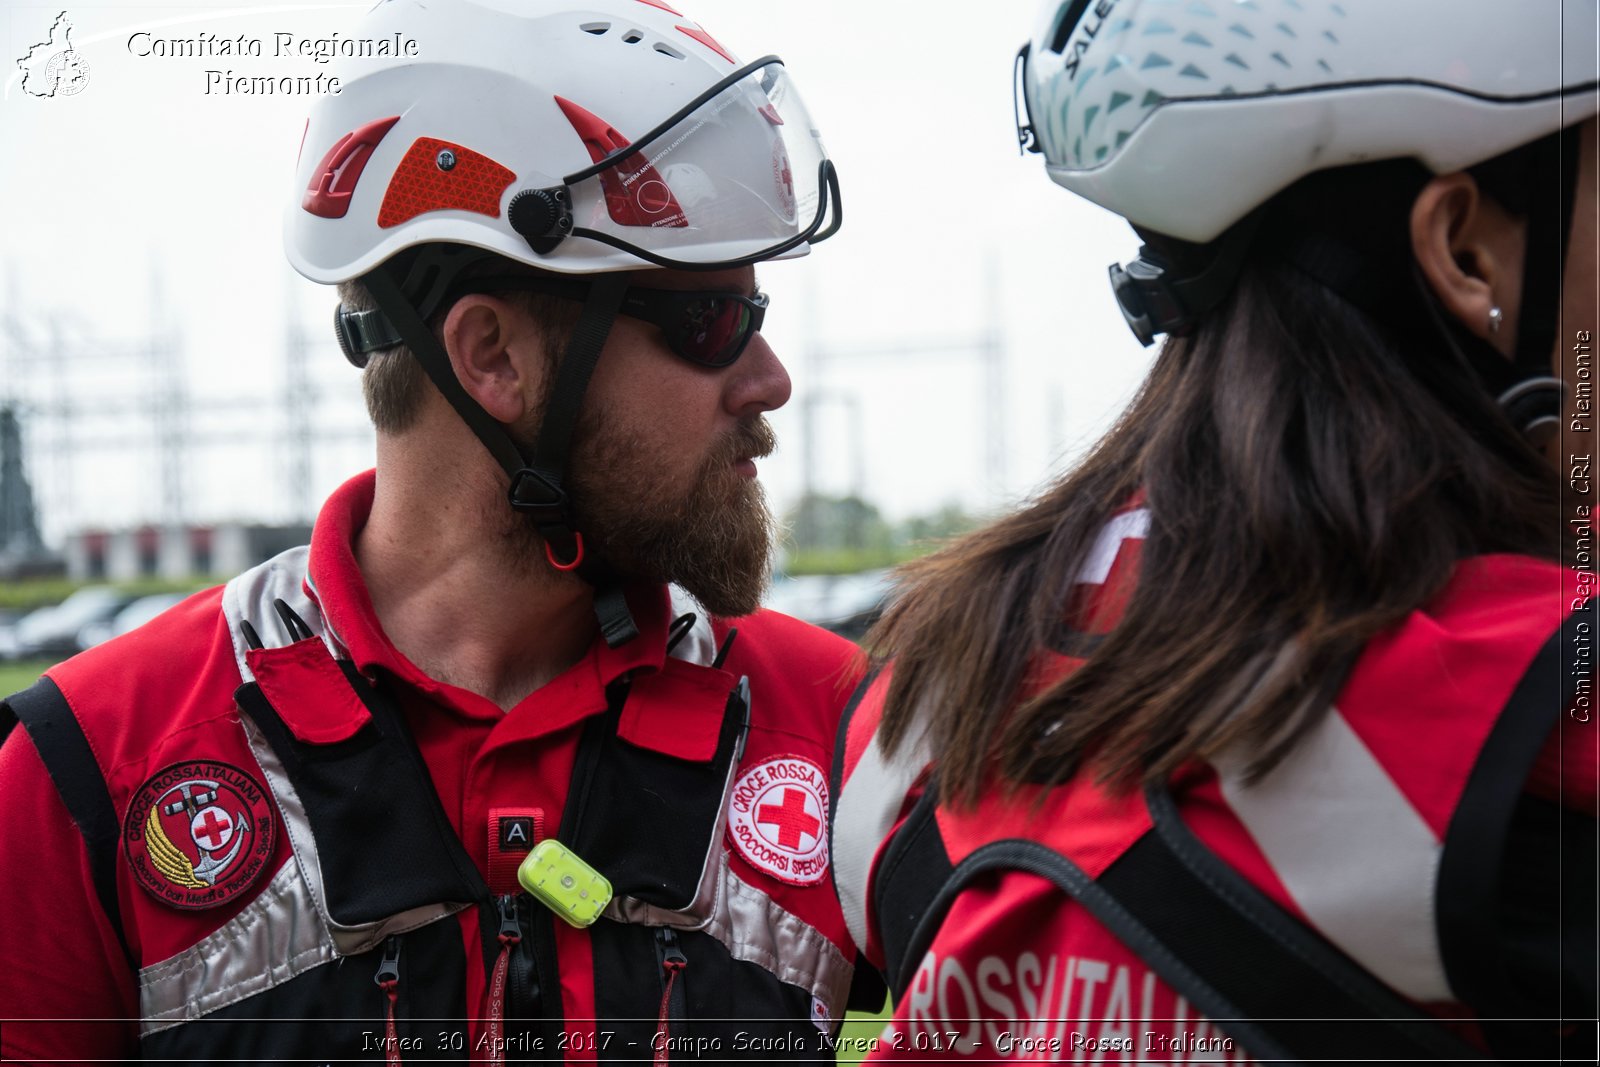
673, 963
513, 987
510, 937
388, 980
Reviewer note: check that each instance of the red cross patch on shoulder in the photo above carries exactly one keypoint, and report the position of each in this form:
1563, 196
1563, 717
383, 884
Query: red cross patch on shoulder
198, 834
778, 819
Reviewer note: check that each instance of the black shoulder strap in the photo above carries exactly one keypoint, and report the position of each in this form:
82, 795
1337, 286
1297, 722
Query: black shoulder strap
1515, 894
65, 752
1267, 979
1274, 985
909, 890
1299, 993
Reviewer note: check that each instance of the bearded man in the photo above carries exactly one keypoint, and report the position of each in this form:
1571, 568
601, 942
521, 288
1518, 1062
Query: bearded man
483, 770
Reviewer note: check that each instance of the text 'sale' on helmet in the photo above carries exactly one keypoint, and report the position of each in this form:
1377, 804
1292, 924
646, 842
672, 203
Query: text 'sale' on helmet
589, 139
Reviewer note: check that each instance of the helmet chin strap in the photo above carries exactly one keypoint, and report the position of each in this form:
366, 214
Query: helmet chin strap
1523, 389
535, 482
1534, 407
1534, 402
1540, 183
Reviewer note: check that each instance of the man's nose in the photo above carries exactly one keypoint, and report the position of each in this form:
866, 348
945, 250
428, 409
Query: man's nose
758, 381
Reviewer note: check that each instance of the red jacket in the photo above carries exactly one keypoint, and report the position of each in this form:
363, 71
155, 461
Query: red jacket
1360, 837
282, 852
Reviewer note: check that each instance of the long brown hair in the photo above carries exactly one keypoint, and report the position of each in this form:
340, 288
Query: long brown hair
1311, 478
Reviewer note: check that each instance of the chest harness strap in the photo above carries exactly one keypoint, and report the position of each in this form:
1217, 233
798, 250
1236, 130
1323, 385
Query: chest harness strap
1267, 979
65, 752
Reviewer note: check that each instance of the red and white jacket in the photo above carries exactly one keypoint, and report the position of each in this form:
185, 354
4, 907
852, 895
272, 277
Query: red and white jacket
1460, 746
307, 850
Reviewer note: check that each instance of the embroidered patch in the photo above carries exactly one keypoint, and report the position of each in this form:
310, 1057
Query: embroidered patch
778, 819
516, 833
198, 834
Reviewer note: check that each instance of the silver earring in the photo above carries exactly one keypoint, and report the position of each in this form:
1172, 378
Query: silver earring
1496, 316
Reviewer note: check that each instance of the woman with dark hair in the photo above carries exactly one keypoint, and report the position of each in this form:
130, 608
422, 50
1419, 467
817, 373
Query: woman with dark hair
1266, 732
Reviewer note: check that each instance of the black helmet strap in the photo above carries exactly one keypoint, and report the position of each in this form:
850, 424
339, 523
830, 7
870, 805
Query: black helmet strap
535, 482
407, 321
1552, 189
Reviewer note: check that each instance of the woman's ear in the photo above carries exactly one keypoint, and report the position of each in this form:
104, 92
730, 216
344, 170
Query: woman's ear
1470, 252
490, 342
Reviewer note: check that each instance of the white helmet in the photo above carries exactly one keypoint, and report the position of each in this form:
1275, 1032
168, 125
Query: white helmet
1187, 116
575, 137
1184, 115
586, 137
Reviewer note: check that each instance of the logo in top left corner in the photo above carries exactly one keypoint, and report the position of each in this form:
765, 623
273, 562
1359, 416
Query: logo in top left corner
198, 834
53, 67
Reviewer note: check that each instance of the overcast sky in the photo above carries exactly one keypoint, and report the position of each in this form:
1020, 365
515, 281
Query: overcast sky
142, 205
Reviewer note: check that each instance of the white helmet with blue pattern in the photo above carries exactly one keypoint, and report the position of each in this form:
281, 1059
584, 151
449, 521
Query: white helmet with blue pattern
1184, 115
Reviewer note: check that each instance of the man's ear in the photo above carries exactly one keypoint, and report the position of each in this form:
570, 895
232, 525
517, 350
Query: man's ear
1470, 252
493, 348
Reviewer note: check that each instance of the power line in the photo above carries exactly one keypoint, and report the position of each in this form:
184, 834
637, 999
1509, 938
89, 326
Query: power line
84, 400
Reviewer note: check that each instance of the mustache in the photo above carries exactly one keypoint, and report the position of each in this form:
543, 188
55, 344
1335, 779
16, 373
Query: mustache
755, 439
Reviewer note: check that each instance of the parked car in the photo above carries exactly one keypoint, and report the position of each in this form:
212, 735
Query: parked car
53, 631
8, 634
847, 604
131, 617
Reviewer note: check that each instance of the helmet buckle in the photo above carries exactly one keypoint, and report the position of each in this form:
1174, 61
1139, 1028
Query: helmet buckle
361, 333
1534, 407
537, 494
1148, 303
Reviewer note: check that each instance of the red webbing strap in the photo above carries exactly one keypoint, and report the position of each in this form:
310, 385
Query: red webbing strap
664, 1017
391, 1037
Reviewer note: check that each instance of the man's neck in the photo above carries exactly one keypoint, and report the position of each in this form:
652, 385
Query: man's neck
453, 603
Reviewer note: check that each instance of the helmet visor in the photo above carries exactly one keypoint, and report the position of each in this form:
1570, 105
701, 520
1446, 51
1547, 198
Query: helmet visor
737, 176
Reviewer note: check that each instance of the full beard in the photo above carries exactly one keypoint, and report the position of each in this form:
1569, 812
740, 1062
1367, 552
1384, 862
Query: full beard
712, 537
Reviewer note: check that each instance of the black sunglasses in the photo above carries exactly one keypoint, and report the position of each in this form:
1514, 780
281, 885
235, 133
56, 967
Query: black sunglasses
707, 328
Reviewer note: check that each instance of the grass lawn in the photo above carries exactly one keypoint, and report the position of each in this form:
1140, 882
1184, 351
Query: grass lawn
15, 677
859, 1034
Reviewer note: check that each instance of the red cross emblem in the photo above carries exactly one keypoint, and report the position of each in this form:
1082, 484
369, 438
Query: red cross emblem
212, 827
199, 833
783, 178
777, 819
791, 818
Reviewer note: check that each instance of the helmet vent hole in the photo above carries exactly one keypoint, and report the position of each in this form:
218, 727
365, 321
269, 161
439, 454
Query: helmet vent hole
632, 37
668, 50
596, 28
